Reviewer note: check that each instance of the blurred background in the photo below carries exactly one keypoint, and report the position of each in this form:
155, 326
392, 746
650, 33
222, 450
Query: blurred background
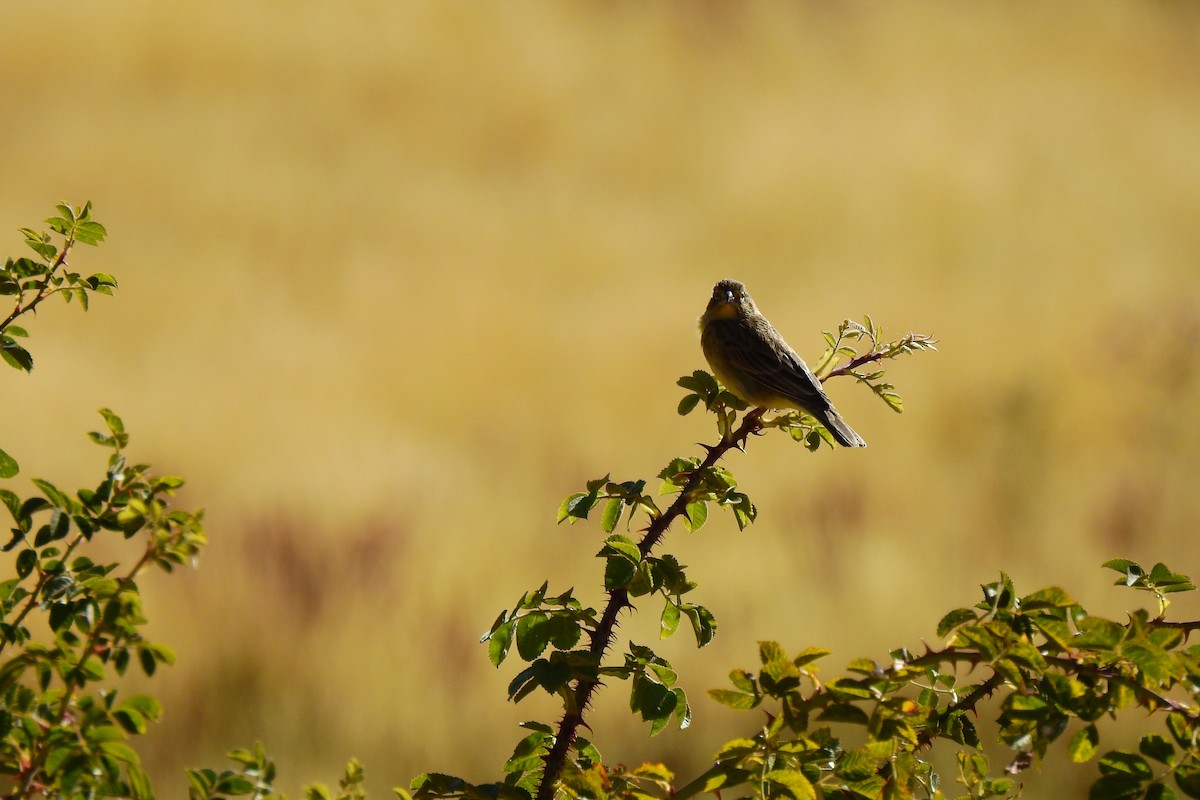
397, 277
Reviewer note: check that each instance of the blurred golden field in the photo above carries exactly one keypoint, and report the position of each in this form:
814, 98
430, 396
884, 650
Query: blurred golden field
397, 277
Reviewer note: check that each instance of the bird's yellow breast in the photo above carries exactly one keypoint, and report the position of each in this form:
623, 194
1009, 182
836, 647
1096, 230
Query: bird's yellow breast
719, 311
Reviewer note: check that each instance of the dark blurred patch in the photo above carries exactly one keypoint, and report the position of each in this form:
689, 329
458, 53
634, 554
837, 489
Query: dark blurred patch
305, 571
1128, 513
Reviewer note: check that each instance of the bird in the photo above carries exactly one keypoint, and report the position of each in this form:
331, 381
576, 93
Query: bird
753, 361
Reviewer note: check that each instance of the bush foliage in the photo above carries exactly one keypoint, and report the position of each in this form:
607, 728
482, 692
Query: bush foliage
72, 626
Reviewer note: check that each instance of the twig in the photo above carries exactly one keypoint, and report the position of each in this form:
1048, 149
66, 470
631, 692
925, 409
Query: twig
42, 292
618, 599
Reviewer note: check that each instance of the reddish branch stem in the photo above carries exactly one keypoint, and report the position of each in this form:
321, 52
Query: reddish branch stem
618, 599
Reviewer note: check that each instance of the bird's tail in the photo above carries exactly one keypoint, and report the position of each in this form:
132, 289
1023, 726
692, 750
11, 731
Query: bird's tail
844, 434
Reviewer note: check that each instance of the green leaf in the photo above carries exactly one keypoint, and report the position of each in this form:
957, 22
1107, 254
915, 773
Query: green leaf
695, 515
612, 514
1157, 665
622, 547
234, 784
533, 635
742, 680
683, 709
1116, 786
1122, 565
1052, 597
1057, 631
39, 245
1160, 791
139, 783
576, 507
1100, 633
669, 621
26, 560
58, 527
687, 404
114, 422
15, 355
1158, 748
792, 783
1167, 581
955, 618
704, 624
1187, 778
565, 631
1181, 729
1119, 761
810, 654
145, 705
8, 466
92, 668
618, 572
1083, 744
736, 700
102, 282
699, 381
499, 640
844, 712
857, 765
651, 699
90, 233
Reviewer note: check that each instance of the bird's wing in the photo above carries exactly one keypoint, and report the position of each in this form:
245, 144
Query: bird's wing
775, 366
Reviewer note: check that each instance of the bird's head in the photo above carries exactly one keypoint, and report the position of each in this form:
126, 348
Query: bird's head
730, 300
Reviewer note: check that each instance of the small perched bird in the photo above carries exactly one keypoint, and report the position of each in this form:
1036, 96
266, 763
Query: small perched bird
754, 362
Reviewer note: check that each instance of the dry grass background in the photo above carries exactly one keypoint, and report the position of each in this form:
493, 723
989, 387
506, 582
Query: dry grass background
396, 277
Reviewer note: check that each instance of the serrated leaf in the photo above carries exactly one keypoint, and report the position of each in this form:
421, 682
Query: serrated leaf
90, 232
742, 680
532, 635
1051, 597
695, 515
953, 619
1157, 665
856, 765
736, 700
810, 654
618, 572
669, 621
704, 625
687, 404
1099, 632
793, 783
15, 355
611, 515
575, 507
499, 641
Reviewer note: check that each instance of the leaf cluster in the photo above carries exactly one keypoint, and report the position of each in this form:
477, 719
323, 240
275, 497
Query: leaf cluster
70, 624
1052, 664
863, 343
29, 281
66, 620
